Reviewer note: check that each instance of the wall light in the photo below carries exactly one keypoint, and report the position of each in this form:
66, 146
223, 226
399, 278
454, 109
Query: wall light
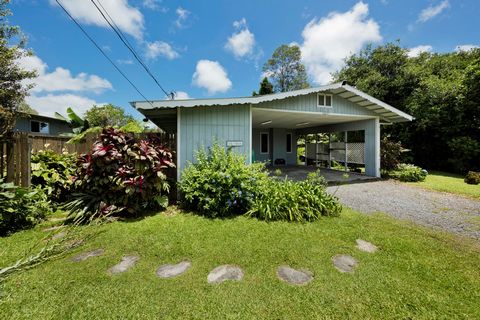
266, 122
302, 124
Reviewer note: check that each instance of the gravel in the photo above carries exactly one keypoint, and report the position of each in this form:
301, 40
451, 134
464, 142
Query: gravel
439, 210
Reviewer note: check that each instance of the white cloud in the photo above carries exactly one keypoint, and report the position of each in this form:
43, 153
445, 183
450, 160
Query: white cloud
128, 19
160, 48
181, 95
242, 42
182, 16
154, 5
51, 103
416, 51
433, 11
211, 76
326, 42
466, 47
61, 79
124, 61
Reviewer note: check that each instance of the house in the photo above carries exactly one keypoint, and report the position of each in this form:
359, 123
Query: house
41, 125
266, 128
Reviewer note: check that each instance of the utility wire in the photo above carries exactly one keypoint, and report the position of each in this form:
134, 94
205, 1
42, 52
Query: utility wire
124, 40
103, 52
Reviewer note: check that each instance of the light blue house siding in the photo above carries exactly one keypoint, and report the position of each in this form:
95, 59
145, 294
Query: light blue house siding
202, 126
277, 145
55, 126
308, 103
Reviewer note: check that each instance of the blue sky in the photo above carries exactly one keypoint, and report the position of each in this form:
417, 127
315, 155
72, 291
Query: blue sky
217, 48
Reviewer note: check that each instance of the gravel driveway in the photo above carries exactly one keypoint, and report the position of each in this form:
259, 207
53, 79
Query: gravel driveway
430, 208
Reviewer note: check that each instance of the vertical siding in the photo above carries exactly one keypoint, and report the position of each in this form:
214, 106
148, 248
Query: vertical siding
202, 126
308, 103
55, 126
278, 146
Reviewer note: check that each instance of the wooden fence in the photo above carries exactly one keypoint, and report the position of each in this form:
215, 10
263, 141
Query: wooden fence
15, 153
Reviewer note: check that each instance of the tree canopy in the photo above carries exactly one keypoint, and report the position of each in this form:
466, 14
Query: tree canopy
265, 88
12, 87
286, 70
107, 116
442, 92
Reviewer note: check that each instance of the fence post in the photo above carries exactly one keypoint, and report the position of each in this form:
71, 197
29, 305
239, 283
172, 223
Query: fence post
26, 151
10, 161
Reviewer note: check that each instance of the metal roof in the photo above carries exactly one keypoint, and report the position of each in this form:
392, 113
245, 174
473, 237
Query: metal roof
344, 90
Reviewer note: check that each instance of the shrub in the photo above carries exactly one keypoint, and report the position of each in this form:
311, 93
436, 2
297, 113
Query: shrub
294, 201
220, 184
389, 154
408, 173
21, 208
121, 174
472, 177
53, 172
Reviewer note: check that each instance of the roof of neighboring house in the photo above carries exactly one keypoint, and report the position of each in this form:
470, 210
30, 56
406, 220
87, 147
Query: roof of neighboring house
344, 90
40, 116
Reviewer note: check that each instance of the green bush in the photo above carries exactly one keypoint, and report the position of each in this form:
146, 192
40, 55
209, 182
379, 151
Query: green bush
294, 201
220, 184
21, 208
53, 172
472, 177
408, 173
389, 154
121, 174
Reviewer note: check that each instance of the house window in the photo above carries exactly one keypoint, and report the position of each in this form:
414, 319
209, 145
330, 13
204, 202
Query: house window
264, 142
324, 100
289, 142
39, 126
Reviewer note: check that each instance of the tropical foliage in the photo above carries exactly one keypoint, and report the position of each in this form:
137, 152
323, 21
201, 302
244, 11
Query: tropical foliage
408, 173
107, 116
53, 172
472, 177
121, 174
440, 90
21, 208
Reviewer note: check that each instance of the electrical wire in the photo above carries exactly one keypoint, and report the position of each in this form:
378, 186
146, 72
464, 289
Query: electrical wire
103, 52
127, 44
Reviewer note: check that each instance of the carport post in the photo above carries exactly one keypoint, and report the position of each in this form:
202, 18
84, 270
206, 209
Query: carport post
346, 157
329, 150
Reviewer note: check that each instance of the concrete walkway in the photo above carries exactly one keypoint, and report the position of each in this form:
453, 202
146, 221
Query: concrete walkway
298, 173
430, 208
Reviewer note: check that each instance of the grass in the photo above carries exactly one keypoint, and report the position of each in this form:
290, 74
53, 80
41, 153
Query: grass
418, 273
447, 182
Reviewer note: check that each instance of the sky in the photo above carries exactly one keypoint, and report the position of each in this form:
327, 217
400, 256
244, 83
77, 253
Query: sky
210, 49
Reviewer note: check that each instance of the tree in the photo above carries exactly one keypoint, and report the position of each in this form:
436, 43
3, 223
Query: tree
13, 90
107, 116
285, 69
442, 92
265, 88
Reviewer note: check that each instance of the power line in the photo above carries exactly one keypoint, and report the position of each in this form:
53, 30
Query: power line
103, 52
125, 41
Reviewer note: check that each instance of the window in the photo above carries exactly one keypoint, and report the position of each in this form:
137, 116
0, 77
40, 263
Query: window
289, 142
264, 142
39, 126
324, 100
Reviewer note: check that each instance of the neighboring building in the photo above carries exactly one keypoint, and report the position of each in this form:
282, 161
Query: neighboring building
42, 125
265, 128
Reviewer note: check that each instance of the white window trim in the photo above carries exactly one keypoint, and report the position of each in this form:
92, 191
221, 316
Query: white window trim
268, 142
39, 126
324, 100
291, 142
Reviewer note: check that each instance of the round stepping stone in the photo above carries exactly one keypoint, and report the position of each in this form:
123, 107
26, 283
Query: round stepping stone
84, 256
344, 263
366, 246
295, 277
126, 263
173, 270
224, 273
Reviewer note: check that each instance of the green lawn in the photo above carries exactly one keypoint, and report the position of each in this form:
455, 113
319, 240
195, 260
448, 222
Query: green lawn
447, 182
418, 273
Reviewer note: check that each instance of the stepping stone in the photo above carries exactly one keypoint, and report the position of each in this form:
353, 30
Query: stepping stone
344, 263
224, 273
57, 219
84, 256
173, 270
366, 246
292, 276
56, 236
126, 263
52, 228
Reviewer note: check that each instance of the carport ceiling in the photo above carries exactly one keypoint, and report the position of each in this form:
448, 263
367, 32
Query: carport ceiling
296, 120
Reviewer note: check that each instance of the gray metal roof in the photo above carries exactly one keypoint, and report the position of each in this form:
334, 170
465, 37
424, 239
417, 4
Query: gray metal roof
341, 88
